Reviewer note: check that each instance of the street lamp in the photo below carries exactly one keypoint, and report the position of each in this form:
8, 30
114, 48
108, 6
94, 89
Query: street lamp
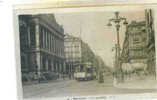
117, 20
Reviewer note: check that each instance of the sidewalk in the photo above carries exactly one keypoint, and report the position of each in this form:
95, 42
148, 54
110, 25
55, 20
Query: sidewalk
136, 83
47, 81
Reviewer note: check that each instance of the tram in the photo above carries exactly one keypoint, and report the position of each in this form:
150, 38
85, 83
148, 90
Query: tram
84, 71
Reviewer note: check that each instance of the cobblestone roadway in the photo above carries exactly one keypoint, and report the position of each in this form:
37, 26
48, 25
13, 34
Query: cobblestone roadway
77, 88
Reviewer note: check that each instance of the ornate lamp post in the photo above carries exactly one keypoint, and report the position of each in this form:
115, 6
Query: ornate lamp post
117, 20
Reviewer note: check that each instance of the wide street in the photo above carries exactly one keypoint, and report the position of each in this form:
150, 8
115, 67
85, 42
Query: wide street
77, 88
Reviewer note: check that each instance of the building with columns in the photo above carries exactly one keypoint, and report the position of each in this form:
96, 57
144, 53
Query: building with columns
41, 44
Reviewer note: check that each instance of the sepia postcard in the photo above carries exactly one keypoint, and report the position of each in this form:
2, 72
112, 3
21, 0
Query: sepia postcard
86, 53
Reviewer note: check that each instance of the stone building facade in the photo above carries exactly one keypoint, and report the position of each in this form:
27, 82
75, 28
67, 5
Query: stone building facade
139, 43
73, 52
41, 44
134, 46
150, 41
77, 52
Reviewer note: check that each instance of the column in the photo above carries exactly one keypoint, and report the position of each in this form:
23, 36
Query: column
64, 67
59, 46
46, 38
69, 67
63, 54
56, 43
53, 44
59, 66
37, 39
52, 66
29, 40
41, 61
47, 64
49, 42
71, 70
56, 66
44, 32
43, 42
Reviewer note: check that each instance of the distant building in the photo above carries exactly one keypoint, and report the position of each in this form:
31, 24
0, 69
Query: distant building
73, 52
139, 44
41, 44
77, 52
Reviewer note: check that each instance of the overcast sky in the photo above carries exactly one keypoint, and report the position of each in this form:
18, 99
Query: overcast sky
92, 28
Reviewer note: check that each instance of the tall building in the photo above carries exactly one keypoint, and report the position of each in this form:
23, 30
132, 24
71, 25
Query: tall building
134, 46
41, 44
149, 17
73, 51
76, 52
139, 43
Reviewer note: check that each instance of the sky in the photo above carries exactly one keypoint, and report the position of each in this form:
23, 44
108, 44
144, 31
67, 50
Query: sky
92, 28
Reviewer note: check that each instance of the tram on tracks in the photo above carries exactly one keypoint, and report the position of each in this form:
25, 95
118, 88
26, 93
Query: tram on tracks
84, 71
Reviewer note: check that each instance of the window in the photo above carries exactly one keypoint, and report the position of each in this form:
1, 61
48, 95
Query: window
32, 35
136, 40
